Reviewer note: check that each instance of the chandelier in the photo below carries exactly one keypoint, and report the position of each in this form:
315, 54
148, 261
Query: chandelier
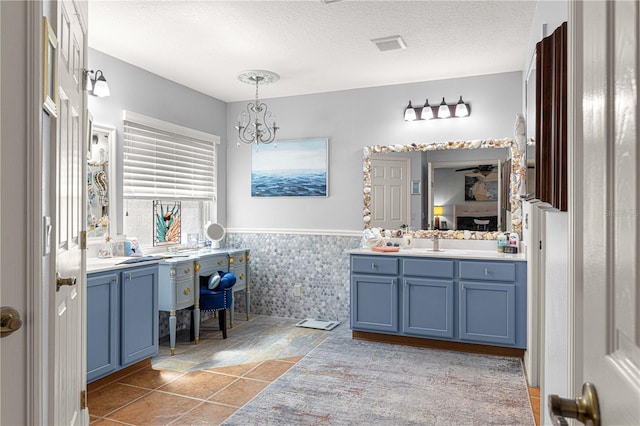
257, 124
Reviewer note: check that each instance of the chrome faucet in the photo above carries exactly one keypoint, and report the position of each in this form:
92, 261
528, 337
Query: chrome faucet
435, 237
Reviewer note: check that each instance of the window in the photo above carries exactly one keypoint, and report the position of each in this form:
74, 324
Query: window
164, 161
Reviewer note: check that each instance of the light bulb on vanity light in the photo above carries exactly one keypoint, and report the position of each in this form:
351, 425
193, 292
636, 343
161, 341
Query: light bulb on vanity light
409, 113
461, 109
427, 112
443, 110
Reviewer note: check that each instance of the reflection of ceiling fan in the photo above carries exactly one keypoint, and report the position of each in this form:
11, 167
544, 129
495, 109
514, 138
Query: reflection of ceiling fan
483, 169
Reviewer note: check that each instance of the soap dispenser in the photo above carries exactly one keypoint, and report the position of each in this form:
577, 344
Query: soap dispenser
502, 242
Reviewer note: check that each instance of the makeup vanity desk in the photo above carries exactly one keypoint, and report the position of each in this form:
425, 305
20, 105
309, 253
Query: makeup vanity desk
179, 282
454, 296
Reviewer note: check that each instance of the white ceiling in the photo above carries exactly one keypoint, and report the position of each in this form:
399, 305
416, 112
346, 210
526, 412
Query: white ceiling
314, 46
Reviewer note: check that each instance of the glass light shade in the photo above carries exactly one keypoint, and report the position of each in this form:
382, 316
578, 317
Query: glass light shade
443, 110
409, 113
100, 87
461, 109
438, 210
427, 112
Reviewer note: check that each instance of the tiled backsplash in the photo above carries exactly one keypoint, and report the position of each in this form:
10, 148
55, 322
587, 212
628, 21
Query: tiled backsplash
318, 263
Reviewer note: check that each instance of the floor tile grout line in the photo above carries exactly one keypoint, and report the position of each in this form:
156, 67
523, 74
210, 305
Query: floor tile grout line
127, 403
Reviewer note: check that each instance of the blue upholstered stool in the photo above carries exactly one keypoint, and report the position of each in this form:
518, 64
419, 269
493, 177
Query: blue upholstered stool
217, 299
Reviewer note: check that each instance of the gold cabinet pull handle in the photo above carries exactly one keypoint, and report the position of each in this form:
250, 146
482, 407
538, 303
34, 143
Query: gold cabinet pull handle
187, 291
219, 262
187, 270
241, 259
241, 276
196, 267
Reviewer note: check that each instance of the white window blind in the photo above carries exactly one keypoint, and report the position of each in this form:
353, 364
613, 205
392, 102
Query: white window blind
164, 160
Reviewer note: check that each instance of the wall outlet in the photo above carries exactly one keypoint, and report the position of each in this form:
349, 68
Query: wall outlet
296, 290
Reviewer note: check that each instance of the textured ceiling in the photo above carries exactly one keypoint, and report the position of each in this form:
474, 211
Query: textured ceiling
314, 46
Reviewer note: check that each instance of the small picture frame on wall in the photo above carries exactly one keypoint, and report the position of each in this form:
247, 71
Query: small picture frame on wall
49, 75
416, 187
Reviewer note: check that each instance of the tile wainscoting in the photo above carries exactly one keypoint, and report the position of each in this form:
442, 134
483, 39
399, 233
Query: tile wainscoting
318, 263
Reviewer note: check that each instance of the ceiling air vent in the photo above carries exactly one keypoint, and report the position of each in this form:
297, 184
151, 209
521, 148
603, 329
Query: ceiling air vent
390, 43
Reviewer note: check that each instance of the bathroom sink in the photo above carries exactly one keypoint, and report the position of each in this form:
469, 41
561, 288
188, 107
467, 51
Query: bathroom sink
449, 252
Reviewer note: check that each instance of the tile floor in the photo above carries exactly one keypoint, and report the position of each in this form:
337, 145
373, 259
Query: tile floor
185, 390
152, 396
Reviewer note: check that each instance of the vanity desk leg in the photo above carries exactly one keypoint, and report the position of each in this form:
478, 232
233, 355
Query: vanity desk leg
172, 331
196, 321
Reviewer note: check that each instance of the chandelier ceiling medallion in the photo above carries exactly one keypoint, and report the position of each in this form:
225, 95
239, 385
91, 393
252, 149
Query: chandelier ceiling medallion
257, 124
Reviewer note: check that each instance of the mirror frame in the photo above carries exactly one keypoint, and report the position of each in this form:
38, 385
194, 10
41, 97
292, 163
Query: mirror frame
110, 131
517, 179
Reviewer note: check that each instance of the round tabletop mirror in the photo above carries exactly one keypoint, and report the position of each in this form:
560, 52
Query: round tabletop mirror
214, 232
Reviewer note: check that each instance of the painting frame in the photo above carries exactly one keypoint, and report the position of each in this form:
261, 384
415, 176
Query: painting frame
416, 187
290, 168
49, 71
167, 221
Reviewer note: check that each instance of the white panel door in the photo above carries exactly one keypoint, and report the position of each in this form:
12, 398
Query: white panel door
69, 354
390, 192
608, 353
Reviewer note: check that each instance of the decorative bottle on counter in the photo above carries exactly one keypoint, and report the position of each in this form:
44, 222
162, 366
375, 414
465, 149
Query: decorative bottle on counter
502, 242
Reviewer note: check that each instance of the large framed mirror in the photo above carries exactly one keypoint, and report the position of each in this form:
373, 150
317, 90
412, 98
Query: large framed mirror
100, 180
503, 155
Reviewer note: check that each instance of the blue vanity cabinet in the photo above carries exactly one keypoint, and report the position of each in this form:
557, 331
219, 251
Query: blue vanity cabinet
102, 324
493, 302
461, 300
139, 314
122, 319
374, 293
428, 297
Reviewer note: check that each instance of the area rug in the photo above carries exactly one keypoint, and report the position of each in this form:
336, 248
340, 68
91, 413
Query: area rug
352, 382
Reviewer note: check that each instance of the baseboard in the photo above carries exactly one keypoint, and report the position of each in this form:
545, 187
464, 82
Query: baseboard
438, 344
117, 375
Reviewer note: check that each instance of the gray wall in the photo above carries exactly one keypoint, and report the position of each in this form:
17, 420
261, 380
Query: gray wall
137, 90
353, 119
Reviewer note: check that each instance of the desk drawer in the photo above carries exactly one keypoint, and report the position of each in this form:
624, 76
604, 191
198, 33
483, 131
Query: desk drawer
374, 265
238, 258
209, 265
488, 271
428, 268
183, 270
241, 277
184, 292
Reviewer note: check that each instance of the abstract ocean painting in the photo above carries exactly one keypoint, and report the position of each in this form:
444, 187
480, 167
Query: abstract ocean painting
296, 168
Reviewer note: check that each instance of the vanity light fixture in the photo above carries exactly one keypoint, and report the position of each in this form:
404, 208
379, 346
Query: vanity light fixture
257, 124
443, 110
96, 86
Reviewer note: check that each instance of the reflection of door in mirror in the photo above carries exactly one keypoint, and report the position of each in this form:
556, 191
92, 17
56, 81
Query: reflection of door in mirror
100, 180
390, 205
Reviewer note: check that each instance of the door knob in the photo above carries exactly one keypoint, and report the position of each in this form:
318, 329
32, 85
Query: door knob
64, 281
9, 320
585, 408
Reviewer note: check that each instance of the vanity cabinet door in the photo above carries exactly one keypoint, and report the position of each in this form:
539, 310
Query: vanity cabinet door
488, 312
102, 324
428, 307
139, 313
374, 304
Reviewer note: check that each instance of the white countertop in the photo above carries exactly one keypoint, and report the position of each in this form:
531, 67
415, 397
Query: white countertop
95, 264
445, 254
